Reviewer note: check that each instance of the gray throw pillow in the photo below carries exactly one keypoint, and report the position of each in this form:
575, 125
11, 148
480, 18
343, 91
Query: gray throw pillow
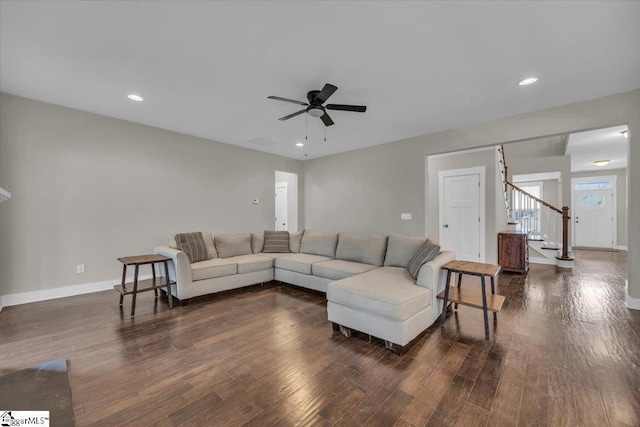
193, 245
276, 241
426, 253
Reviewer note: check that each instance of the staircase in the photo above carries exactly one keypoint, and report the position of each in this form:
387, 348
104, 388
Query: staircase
547, 226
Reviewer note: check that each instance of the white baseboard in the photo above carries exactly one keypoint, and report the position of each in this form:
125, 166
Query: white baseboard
540, 260
621, 247
66, 291
631, 302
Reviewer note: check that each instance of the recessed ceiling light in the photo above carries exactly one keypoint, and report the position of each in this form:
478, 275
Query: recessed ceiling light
299, 144
134, 97
528, 81
601, 162
625, 133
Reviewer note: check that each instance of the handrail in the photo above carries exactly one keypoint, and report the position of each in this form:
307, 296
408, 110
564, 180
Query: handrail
534, 197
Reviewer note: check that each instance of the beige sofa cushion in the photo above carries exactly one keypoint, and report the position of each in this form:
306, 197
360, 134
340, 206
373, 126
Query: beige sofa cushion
212, 268
401, 249
388, 292
337, 269
251, 263
368, 250
300, 263
229, 245
208, 242
319, 243
295, 240
257, 242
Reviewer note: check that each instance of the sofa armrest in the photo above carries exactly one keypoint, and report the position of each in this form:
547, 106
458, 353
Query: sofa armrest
179, 270
431, 274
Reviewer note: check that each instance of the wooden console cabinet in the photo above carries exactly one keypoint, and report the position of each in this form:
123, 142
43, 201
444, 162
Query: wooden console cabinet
513, 251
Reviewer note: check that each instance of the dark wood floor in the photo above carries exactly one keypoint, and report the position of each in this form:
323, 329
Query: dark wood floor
565, 351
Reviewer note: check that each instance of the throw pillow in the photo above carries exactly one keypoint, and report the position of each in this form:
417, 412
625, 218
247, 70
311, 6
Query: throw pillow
295, 240
426, 253
276, 241
257, 242
229, 245
193, 245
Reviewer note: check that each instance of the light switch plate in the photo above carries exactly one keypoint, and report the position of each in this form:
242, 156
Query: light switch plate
405, 216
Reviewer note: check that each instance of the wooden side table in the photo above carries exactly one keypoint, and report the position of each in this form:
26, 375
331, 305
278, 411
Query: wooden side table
143, 285
469, 297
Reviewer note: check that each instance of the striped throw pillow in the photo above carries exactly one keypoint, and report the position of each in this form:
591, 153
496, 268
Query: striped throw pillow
193, 245
276, 241
426, 253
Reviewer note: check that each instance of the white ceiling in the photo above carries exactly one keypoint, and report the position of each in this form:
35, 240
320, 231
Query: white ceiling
601, 144
206, 68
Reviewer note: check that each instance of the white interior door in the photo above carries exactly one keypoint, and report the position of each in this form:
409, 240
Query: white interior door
593, 218
460, 219
281, 206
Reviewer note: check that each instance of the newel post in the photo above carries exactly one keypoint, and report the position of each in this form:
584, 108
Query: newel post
565, 232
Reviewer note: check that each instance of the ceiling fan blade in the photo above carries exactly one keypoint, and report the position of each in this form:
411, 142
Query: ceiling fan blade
293, 101
325, 93
297, 113
354, 108
326, 119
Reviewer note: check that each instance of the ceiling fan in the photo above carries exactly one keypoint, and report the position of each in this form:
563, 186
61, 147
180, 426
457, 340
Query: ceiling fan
315, 108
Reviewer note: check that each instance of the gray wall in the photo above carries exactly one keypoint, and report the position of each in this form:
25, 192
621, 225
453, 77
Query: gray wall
621, 195
87, 189
366, 190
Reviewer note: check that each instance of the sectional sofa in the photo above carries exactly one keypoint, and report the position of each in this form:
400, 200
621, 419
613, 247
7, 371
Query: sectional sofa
367, 284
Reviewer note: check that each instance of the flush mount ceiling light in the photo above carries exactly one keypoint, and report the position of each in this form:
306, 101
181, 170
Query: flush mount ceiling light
299, 144
625, 133
133, 97
528, 81
601, 162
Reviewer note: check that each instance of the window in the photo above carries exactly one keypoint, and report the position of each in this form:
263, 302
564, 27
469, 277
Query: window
592, 200
529, 214
593, 185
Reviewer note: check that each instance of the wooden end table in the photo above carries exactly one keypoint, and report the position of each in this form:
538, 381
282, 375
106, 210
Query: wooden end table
147, 284
470, 297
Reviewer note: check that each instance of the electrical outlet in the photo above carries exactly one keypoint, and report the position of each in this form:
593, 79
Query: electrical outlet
80, 268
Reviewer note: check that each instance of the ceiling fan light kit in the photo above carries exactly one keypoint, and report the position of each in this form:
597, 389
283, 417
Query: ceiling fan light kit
315, 108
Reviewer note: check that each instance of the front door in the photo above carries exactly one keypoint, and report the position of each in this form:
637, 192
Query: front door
460, 222
281, 206
593, 218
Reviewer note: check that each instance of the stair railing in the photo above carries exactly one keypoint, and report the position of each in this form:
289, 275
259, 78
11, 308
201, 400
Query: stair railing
524, 211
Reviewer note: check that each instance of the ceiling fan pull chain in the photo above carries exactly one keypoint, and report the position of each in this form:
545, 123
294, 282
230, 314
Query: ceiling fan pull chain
306, 127
325, 134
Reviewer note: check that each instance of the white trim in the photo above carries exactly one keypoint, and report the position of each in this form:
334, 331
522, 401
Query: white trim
631, 302
621, 247
471, 150
540, 260
66, 291
479, 170
614, 205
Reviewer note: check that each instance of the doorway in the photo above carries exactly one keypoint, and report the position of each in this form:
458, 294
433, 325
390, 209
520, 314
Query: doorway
462, 212
286, 201
594, 208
